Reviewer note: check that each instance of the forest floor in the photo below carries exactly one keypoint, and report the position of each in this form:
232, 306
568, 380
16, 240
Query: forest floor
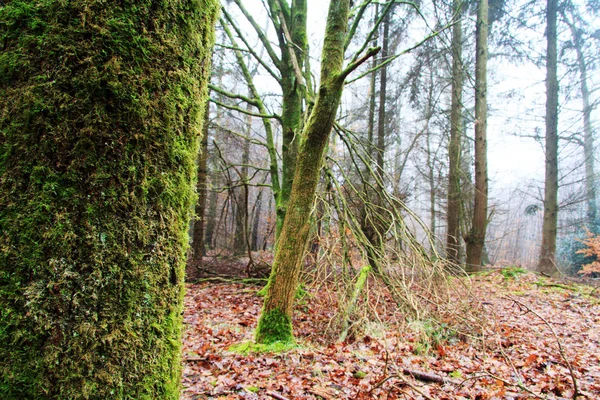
539, 336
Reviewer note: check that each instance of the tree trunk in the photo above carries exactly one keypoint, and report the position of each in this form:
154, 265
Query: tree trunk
547, 261
381, 123
476, 238
100, 117
454, 147
242, 195
275, 323
198, 249
256, 222
588, 137
293, 97
211, 219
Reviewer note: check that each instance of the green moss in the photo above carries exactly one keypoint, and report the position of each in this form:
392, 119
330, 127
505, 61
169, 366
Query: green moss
100, 116
512, 272
274, 326
359, 375
246, 348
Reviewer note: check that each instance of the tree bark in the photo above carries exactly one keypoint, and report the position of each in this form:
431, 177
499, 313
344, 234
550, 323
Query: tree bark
293, 96
242, 194
275, 323
547, 260
454, 147
256, 222
101, 109
476, 238
381, 123
588, 136
198, 249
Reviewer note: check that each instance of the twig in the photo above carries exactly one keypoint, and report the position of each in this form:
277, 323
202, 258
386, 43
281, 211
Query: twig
558, 342
519, 385
276, 395
415, 388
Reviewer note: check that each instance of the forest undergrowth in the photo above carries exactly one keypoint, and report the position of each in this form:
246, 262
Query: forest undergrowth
533, 338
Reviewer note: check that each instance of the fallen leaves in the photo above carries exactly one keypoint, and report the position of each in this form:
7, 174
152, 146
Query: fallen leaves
518, 356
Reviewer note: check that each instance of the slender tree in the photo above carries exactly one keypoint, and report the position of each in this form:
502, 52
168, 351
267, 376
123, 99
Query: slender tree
101, 108
476, 238
454, 146
547, 260
275, 323
290, 61
198, 247
588, 135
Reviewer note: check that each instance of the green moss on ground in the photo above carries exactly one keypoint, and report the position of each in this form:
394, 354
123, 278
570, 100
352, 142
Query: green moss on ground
100, 117
246, 348
274, 326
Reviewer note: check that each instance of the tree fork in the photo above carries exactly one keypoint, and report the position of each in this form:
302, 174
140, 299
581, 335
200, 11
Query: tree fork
275, 320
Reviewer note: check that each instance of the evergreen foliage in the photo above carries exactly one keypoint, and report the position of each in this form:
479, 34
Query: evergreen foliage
100, 116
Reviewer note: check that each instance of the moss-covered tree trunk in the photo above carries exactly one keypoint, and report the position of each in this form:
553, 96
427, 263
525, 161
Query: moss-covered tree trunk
101, 108
275, 323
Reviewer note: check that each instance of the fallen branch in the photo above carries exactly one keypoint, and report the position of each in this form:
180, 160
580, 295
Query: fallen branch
415, 388
427, 377
276, 395
232, 279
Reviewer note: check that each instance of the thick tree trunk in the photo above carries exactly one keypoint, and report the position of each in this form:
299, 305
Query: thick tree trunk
454, 147
547, 261
275, 323
476, 238
100, 117
198, 249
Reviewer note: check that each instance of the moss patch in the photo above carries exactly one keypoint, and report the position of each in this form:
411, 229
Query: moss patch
100, 117
246, 348
512, 272
274, 326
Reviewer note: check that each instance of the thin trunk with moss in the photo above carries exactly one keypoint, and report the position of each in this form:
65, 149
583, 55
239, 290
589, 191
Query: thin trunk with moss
453, 211
275, 323
101, 110
476, 238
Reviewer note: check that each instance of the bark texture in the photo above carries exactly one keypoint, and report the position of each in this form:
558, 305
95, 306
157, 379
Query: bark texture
476, 238
547, 262
454, 147
101, 110
198, 249
588, 135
